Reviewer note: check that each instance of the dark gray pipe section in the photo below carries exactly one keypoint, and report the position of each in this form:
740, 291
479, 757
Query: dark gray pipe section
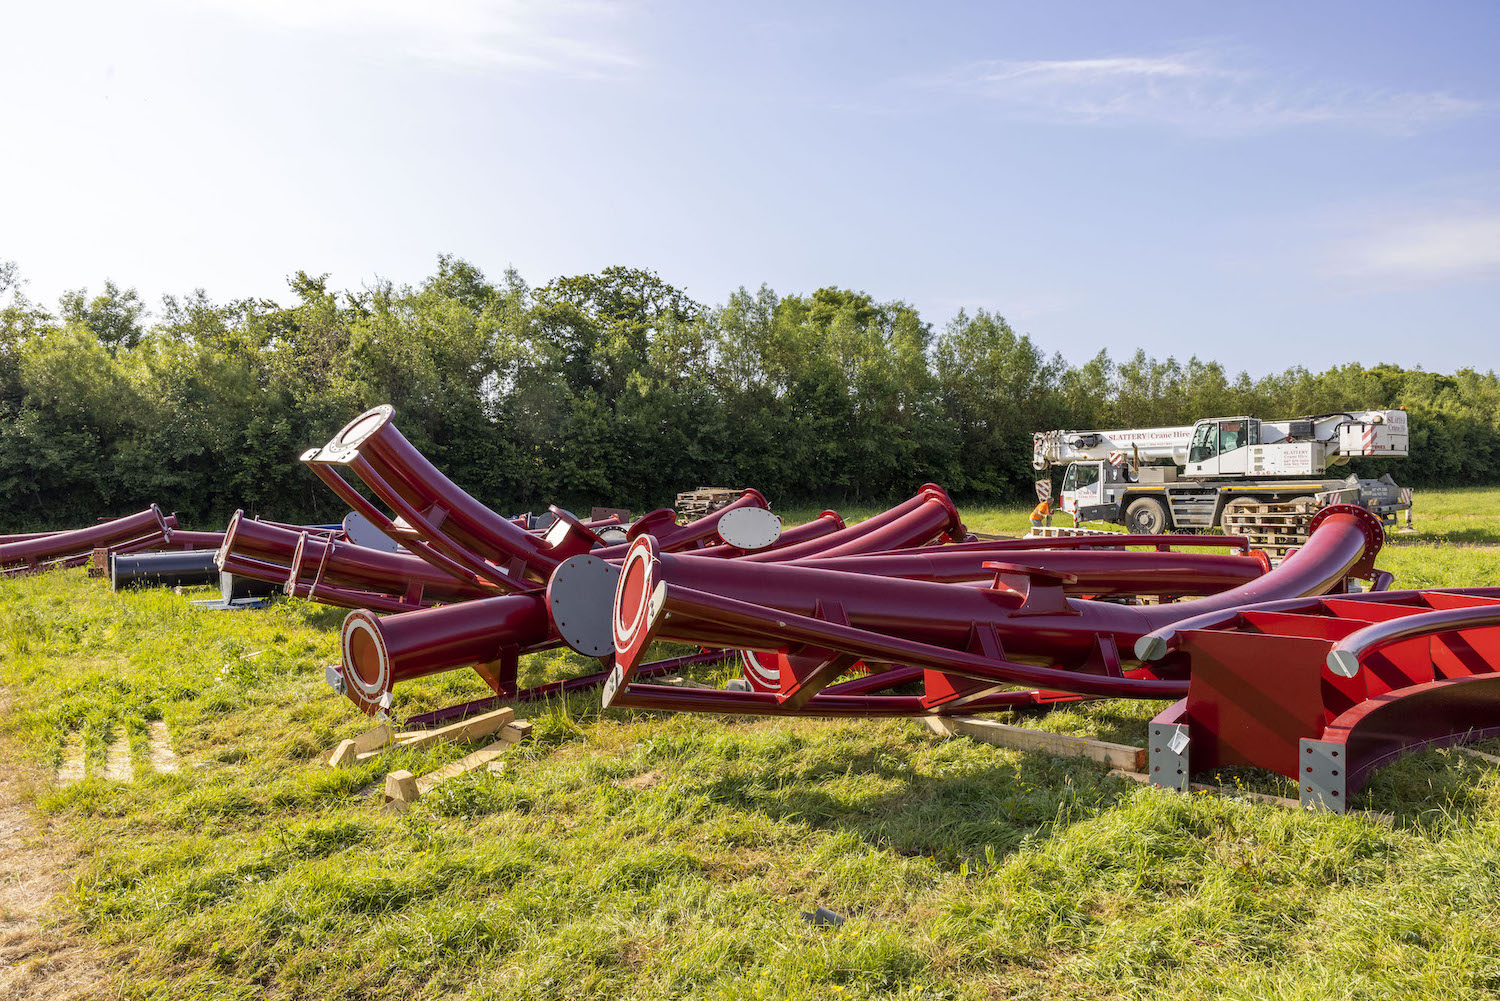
233, 586
188, 568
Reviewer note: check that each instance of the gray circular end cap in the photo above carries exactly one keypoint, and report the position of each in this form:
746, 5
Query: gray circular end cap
749, 528
1150, 647
613, 536
1344, 663
581, 602
359, 530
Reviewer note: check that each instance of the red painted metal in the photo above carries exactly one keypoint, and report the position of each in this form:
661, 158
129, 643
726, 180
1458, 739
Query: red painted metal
464, 710
1095, 573
1022, 630
1431, 714
74, 547
437, 641
1161, 543
439, 521
673, 537
192, 540
1325, 689
1109, 573
313, 529
320, 569
826, 523
925, 518
6, 540
487, 634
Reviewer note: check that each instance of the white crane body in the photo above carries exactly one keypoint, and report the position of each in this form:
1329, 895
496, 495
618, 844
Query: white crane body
1164, 478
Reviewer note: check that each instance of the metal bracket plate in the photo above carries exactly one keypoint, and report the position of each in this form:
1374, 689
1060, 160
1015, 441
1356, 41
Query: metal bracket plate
1167, 762
1322, 783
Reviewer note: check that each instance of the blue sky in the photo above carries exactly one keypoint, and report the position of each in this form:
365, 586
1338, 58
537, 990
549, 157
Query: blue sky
1264, 184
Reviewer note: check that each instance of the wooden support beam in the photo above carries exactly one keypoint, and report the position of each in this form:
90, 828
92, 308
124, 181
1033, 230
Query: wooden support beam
467, 763
402, 788
1491, 758
1124, 756
470, 729
348, 751
400, 791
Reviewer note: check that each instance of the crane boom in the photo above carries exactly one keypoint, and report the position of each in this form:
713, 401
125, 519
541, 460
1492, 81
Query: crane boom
1056, 448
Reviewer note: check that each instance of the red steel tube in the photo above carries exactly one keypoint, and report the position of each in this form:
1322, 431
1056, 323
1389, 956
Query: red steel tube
1347, 653
928, 516
826, 523
6, 540
31, 553
379, 652
438, 511
673, 537
349, 566
731, 603
1100, 573
196, 540
1114, 540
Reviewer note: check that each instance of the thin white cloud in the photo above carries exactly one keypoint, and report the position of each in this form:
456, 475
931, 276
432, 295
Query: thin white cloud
1446, 248
1193, 90
568, 37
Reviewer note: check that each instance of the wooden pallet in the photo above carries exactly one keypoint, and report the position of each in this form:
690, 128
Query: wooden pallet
1274, 527
1063, 532
692, 504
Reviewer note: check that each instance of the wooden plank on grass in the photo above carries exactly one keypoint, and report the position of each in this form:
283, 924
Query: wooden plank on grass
348, 751
467, 763
401, 788
1003, 735
470, 729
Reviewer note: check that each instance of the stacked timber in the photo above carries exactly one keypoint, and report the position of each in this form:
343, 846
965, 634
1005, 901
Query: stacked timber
693, 504
1274, 528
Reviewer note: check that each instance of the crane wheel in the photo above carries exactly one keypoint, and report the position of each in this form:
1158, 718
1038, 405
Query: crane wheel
1146, 516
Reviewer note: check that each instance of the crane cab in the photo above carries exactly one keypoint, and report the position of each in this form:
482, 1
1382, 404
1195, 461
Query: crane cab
1221, 447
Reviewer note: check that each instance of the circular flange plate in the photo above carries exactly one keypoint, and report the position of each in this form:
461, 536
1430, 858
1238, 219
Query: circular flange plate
359, 530
749, 528
581, 601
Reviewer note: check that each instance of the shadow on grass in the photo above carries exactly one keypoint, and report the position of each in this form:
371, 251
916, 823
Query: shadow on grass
971, 811
1445, 788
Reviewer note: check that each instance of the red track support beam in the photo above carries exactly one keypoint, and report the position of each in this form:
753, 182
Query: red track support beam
62, 548
932, 625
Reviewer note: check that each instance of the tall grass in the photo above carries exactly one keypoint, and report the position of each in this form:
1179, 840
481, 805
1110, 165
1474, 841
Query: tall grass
629, 854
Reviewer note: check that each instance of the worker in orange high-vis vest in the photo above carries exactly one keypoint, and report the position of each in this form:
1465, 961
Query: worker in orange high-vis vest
1039, 515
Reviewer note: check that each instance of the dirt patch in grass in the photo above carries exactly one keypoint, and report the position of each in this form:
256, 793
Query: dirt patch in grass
645, 780
37, 961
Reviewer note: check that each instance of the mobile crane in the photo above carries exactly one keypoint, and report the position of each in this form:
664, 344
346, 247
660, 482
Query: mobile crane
1263, 475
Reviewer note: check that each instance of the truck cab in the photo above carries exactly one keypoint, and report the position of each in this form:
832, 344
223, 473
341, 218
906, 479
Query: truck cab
1091, 490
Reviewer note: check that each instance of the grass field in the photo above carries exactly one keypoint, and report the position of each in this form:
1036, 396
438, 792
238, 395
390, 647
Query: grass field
645, 855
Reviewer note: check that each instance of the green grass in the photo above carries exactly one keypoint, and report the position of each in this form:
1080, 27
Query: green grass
966, 871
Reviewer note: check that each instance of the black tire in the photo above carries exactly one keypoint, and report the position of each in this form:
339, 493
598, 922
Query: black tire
1146, 516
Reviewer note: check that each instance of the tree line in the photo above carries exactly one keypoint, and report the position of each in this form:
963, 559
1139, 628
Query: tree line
612, 388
